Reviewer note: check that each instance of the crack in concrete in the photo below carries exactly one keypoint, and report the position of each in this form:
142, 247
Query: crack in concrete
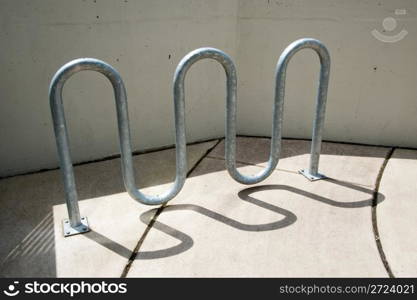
157, 213
207, 155
374, 214
109, 157
156, 149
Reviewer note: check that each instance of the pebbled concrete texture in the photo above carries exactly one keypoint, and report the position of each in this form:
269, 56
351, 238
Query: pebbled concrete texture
285, 226
33, 208
397, 216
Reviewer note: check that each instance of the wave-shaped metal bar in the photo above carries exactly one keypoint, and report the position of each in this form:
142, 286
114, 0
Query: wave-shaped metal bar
76, 223
312, 172
180, 130
277, 118
231, 108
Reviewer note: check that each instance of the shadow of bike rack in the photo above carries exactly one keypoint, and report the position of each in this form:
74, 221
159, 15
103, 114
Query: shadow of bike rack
77, 224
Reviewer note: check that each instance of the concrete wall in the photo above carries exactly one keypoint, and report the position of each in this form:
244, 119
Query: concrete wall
372, 95
144, 40
373, 86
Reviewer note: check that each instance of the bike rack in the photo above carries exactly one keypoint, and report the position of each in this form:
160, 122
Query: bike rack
77, 224
277, 116
312, 172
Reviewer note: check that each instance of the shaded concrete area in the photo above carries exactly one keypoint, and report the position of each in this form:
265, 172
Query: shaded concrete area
284, 226
397, 216
353, 162
31, 248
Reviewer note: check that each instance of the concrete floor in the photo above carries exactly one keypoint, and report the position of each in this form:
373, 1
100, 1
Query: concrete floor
284, 226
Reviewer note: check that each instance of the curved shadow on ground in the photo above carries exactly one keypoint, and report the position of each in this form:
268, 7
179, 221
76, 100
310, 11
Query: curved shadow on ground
244, 194
186, 242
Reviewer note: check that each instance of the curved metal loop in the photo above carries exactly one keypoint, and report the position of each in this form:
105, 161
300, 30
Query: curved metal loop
180, 131
312, 172
62, 140
231, 88
231, 108
66, 71
277, 118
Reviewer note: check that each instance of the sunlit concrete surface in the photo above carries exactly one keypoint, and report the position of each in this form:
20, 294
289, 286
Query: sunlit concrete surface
397, 218
32, 245
284, 226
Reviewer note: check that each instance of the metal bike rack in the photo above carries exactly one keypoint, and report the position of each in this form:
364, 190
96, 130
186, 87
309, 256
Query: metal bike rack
312, 172
280, 75
77, 224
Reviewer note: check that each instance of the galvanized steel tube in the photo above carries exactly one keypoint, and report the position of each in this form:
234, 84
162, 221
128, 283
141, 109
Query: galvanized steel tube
281, 70
55, 95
